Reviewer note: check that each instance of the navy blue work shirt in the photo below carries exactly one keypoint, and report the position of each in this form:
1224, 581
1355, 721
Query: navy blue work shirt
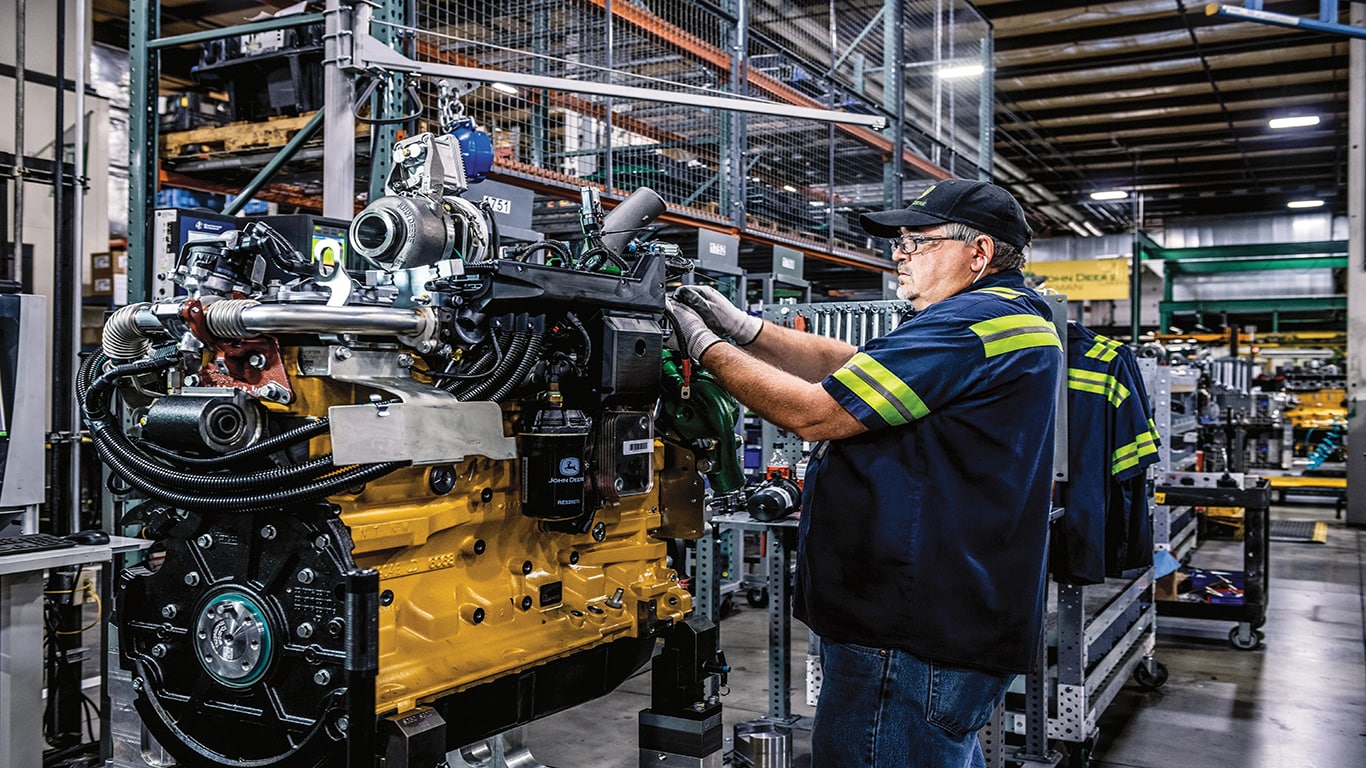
927, 533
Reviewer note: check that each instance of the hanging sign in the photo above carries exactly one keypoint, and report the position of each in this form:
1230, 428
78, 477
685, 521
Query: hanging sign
1086, 280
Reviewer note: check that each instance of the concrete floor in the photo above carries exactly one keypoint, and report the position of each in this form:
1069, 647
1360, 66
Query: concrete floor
1299, 700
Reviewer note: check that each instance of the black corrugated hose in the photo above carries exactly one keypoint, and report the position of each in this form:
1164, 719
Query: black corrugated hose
122, 456
521, 341
533, 354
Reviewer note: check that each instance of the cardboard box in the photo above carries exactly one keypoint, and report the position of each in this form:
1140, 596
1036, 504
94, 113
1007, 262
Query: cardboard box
1169, 586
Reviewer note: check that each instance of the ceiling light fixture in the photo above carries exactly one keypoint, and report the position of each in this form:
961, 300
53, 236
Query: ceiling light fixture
960, 71
1109, 194
505, 88
1075, 227
1093, 229
1304, 204
1302, 121
789, 188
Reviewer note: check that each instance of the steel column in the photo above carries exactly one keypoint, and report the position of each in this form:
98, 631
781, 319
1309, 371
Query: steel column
21, 265
389, 104
339, 133
894, 100
144, 24
1356, 274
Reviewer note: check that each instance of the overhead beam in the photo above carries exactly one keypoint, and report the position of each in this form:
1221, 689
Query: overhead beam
1102, 85
1241, 13
1329, 89
1127, 27
1056, 133
1178, 51
1315, 305
1314, 248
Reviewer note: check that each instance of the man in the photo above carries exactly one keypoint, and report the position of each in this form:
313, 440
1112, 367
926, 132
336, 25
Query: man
925, 510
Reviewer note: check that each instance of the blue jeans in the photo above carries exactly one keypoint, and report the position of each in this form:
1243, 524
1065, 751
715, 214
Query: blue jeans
883, 708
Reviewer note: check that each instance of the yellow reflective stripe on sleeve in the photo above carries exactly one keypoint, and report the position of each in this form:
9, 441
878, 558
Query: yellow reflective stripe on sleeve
1100, 383
1007, 293
881, 390
1128, 455
1012, 333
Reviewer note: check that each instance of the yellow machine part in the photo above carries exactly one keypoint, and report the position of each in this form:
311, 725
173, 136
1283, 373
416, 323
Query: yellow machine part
468, 584
1318, 409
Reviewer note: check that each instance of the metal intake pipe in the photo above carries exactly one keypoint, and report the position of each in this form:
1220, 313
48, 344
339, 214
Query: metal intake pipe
239, 319
642, 207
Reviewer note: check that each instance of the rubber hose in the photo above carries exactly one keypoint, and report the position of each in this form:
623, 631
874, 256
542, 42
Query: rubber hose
251, 503
269, 445
115, 441
529, 360
85, 375
469, 390
516, 350
559, 248
96, 408
495, 240
449, 384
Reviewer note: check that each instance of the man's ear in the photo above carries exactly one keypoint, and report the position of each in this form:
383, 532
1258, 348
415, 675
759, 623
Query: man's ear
987, 247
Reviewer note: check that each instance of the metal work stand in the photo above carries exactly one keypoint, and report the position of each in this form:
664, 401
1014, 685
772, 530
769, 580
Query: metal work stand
21, 643
1253, 494
780, 537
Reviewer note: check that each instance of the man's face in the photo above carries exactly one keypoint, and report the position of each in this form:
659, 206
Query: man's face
936, 269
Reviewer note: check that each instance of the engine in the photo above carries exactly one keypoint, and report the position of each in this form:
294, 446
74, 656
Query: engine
402, 506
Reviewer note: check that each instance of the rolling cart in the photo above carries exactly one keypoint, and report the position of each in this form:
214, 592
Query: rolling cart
1253, 494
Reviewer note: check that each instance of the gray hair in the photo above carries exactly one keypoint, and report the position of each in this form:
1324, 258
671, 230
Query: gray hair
1007, 256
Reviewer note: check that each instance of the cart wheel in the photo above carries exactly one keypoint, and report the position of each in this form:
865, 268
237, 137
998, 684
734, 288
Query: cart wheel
757, 597
1151, 680
727, 606
1081, 755
1236, 640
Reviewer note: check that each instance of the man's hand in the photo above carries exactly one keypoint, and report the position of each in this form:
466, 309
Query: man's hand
719, 314
691, 336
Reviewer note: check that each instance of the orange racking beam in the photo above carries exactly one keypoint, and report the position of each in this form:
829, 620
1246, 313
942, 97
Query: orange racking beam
691, 45
273, 193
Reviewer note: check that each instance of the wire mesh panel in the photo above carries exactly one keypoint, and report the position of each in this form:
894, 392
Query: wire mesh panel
800, 180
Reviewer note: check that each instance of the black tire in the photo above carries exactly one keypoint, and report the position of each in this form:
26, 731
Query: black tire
727, 606
1252, 644
1151, 680
757, 597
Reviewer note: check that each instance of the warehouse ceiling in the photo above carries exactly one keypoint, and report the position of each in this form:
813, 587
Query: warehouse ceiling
1158, 97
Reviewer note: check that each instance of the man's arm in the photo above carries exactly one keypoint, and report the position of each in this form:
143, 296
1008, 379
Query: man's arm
805, 355
780, 398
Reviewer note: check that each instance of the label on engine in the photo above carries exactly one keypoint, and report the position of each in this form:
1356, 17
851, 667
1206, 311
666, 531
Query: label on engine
637, 447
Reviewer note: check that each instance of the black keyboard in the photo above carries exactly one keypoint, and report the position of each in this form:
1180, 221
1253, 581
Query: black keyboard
32, 542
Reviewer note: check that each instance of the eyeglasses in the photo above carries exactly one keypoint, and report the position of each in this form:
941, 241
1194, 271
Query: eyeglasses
909, 244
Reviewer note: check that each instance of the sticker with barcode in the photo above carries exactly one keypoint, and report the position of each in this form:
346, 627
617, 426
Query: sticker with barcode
634, 447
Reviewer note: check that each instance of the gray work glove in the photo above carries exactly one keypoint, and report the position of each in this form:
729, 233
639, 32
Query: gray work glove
691, 336
719, 314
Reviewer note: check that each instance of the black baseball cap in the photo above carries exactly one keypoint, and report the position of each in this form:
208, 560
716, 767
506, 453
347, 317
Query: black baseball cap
978, 204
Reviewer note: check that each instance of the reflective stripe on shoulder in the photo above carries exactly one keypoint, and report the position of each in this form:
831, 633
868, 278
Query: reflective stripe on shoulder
1102, 384
1015, 332
881, 390
1103, 350
1003, 292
